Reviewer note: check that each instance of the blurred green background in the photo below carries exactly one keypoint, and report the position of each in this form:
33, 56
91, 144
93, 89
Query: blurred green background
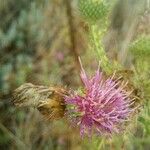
40, 42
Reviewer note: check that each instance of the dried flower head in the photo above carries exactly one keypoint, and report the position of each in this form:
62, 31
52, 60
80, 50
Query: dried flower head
102, 107
48, 100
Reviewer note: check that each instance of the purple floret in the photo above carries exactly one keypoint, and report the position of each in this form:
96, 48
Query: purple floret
103, 107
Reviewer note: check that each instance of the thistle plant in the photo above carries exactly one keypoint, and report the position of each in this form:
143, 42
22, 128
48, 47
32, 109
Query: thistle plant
105, 104
103, 107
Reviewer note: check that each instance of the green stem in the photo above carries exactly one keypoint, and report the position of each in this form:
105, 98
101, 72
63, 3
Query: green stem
96, 44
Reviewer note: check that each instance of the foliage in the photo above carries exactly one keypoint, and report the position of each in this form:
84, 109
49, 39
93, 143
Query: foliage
34, 47
141, 47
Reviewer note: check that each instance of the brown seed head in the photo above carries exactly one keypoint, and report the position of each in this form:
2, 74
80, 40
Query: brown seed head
48, 100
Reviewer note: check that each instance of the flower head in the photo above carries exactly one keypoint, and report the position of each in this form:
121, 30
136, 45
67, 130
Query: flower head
102, 107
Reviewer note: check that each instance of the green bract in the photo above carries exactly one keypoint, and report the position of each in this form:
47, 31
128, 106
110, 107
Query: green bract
92, 10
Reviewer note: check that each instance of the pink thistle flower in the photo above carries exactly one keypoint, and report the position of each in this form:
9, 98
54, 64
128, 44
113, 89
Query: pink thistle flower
103, 106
